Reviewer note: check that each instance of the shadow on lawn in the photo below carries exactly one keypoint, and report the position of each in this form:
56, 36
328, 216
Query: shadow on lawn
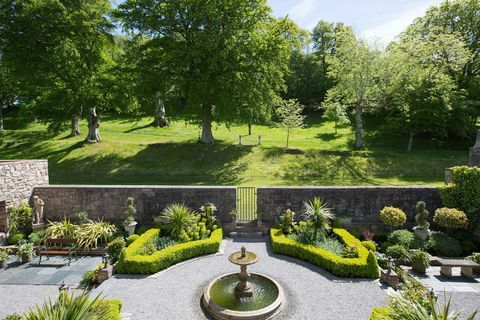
163, 163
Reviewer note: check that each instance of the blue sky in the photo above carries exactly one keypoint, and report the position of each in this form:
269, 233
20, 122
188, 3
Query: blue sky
376, 20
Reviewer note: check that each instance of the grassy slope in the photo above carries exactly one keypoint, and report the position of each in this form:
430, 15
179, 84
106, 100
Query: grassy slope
133, 153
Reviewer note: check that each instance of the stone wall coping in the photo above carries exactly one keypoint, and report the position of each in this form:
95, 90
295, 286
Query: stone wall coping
3, 199
347, 187
84, 186
24, 160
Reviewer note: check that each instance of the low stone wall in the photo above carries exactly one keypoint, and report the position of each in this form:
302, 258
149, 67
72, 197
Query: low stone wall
108, 201
360, 205
19, 177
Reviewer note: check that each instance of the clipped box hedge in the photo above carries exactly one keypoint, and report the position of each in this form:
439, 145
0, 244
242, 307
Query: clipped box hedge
131, 262
365, 266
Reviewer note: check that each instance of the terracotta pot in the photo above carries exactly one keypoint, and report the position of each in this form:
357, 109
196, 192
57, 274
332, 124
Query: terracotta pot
27, 258
418, 266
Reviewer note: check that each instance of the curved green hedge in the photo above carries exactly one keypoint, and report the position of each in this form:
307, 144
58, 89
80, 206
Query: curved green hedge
365, 266
131, 262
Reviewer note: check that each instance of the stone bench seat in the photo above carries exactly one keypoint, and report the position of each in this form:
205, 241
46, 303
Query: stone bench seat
466, 267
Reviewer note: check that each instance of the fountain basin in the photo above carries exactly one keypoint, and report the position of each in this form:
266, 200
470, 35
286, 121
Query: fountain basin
220, 301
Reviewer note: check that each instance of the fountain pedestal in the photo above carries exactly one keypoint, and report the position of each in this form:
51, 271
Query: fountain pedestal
243, 259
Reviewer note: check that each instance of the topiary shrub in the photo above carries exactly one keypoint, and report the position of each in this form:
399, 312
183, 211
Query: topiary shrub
115, 247
363, 266
399, 253
450, 219
393, 217
370, 245
468, 247
401, 237
444, 245
385, 245
132, 239
14, 239
464, 193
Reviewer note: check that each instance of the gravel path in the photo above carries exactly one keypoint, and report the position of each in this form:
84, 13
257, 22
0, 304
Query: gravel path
311, 293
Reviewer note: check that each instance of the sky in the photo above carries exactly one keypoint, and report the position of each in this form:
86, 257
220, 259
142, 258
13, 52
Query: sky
376, 20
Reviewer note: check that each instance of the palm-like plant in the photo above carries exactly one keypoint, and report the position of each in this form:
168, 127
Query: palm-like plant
175, 218
408, 309
61, 229
70, 307
95, 232
318, 215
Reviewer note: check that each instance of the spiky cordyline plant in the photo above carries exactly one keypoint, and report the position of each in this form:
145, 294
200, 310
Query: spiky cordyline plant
175, 218
61, 229
69, 307
318, 215
93, 233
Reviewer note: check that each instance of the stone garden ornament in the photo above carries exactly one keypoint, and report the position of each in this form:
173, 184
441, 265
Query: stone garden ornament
37, 210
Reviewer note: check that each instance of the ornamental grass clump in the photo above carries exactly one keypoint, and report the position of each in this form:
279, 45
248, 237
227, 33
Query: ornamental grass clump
450, 219
318, 217
393, 217
64, 229
95, 233
176, 219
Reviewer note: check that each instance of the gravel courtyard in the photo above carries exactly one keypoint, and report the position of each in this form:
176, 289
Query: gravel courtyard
311, 293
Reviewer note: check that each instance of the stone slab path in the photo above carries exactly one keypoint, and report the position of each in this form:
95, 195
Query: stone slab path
311, 292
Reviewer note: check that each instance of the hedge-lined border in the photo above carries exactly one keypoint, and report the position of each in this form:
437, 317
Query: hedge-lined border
131, 262
365, 266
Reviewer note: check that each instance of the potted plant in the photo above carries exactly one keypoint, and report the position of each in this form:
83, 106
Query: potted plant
3, 258
420, 260
421, 229
25, 252
129, 223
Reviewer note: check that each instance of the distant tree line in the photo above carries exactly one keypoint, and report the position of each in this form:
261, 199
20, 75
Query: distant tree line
232, 62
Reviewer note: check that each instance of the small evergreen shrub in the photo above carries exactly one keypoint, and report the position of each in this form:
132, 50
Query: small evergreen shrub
393, 217
450, 219
20, 218
132, 238
36, 237
399, 253
444, 245
14, 239
115, 247
385, 245
370, 245
401, 237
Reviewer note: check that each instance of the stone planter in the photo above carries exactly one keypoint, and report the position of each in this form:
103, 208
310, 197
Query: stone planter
421, 233
27, 258
418, 266
130, 228
3, 264
476, 270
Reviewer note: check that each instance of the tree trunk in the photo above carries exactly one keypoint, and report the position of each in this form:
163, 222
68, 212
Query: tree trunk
75, 126
159, 119
1, 117
207, 135
410, 141
358, 127
93, 127
249, 128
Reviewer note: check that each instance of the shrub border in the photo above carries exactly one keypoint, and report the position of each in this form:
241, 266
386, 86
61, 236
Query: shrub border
133, 263
365, 266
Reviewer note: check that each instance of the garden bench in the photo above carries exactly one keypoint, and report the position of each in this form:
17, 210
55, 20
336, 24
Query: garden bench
61, 247
466, 266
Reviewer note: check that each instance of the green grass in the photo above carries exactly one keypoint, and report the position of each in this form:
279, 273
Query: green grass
134, 153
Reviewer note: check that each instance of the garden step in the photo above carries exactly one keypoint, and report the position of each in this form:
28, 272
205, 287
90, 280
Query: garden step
236, 234
247, 229
252, 224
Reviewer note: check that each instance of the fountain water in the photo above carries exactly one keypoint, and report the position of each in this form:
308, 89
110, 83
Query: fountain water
243, 295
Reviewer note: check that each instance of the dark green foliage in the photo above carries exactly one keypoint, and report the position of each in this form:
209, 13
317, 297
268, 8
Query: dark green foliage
399, 253
165, 242
115, 247
132, 238
385, 245
141, 230
13, 317
401, 237
444, 245
468, 247
382, 260
20, 218
131, 261
380, 236
37, 237
15, 238
464, 193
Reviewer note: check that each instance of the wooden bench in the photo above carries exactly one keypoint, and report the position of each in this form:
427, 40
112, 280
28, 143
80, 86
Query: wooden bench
465, 265
61, 247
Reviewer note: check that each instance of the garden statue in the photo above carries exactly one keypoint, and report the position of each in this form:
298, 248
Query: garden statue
243, 251
160, 120
474, 159
37, 210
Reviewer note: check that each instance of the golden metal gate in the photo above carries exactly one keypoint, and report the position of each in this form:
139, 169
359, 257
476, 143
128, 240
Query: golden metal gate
246, 203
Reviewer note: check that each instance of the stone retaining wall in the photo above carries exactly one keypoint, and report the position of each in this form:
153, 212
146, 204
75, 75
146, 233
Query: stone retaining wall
19, 177
108, 201
360, 204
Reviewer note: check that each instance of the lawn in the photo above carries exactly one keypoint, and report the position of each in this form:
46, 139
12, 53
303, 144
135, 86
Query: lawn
134, 153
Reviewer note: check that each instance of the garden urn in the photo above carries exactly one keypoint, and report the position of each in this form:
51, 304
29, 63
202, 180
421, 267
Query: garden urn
418, 266
421, 233
130, 227
26, 258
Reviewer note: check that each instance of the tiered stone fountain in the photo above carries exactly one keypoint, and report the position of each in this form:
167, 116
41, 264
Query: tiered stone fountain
243, 295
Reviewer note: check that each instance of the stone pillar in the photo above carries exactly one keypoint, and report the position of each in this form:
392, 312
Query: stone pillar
474, 160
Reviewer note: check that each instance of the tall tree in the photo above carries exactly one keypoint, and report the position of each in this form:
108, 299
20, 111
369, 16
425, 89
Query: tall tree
8, 90
227, 58
353, 68
290, 114
58, 50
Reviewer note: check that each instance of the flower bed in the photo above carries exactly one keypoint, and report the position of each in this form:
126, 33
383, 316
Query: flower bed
364, 266
132, 262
